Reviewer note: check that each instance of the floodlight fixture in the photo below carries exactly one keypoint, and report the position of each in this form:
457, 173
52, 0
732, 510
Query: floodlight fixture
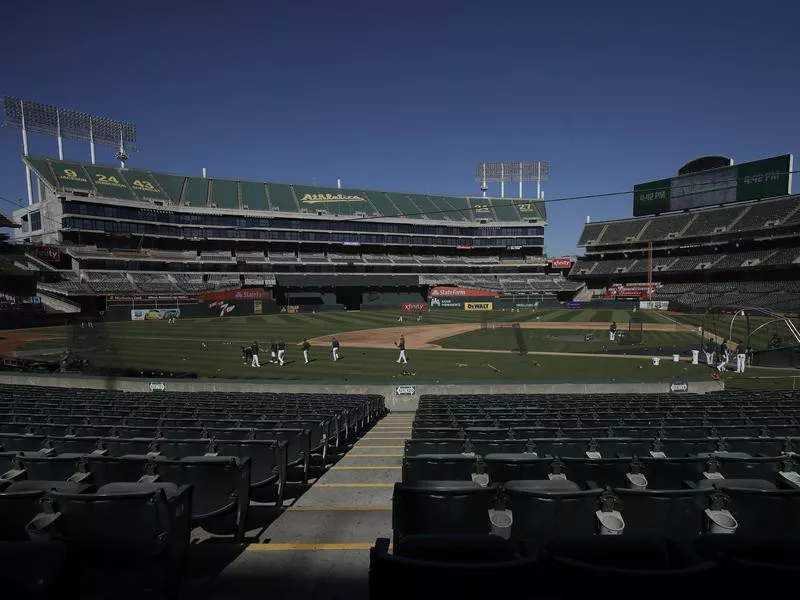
512, 172
63, 123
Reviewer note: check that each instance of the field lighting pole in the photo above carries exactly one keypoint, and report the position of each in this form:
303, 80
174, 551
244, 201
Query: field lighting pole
25, 153
512, 172
63, 123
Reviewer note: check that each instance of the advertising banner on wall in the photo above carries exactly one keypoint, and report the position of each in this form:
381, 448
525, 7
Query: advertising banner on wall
154, 314
244, 294
478, 306
574, 305
436, 302
414, 306
560, 263
458, 292
654, 304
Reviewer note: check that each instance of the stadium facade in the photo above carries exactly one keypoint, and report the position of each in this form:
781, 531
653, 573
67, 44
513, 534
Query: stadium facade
133, 233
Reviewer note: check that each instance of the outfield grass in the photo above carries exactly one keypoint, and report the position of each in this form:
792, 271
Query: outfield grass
180, 348
558, 340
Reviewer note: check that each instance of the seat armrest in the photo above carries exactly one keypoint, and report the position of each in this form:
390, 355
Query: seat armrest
149, 479
13, 475
79, 477
382, 545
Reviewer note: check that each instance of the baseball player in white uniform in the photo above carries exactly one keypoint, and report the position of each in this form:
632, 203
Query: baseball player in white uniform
335, 348
401, 344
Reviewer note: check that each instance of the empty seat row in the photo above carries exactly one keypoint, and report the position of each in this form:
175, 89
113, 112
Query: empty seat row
649, 472
221, 483
72, 542
429, 567
607, 447
543, 509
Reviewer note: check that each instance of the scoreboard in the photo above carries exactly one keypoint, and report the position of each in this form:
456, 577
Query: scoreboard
765, 178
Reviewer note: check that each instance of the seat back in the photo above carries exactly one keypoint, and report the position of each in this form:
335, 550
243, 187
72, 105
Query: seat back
541, 514
434, 446
670, 473
219, 482
119, 528
177, 448
438, 467
108, 469
674, 513
504, 467
441, 507
760, 511
603, 472
22, 442
761, 467
16, 509
50, 468
74, 445
267, 457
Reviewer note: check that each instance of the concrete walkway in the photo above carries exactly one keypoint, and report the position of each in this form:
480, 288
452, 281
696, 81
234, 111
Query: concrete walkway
318, 548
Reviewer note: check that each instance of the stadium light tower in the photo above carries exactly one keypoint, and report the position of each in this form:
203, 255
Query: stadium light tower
63, 123
512, 172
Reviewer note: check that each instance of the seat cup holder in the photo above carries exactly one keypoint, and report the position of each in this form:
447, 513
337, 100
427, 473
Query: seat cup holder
501, 521
611, 522
41, 528
721, 521
636, 481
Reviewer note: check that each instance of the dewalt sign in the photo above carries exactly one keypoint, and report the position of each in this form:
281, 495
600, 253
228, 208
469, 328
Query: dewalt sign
478, 305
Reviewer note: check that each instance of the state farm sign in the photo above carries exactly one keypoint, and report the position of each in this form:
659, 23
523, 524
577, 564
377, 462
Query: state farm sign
414, 306
560, 263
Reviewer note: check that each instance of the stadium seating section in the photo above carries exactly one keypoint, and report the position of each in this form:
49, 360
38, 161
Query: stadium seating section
756, 216
138, 184
515, 489
119, 481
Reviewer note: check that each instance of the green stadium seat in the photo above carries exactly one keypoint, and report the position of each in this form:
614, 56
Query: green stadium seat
109, 182
16, 509
196, 191
171, 184
143, 184
382, 204
254, 195
457, 208
224, 193
405, 204
543, 509
482, 208
42, 167
674, 513
136, 535
427, 206
281, 198
505, 208
72, 176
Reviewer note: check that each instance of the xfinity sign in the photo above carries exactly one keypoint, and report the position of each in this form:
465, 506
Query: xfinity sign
157, 386
405, 390
678, 387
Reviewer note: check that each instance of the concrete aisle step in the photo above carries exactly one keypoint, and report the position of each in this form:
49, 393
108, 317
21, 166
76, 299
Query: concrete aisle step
319, 546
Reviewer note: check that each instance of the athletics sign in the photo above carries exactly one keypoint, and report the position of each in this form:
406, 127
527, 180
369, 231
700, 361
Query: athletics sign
321, 198
405, 390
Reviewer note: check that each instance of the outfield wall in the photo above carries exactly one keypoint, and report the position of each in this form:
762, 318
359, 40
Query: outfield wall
402, 397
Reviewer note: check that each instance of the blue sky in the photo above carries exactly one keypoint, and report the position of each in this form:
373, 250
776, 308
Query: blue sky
411, 95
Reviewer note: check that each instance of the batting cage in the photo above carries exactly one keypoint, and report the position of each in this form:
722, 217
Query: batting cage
635, 332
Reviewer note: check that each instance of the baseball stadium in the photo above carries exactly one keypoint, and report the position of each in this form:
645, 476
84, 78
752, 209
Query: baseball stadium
217, 388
